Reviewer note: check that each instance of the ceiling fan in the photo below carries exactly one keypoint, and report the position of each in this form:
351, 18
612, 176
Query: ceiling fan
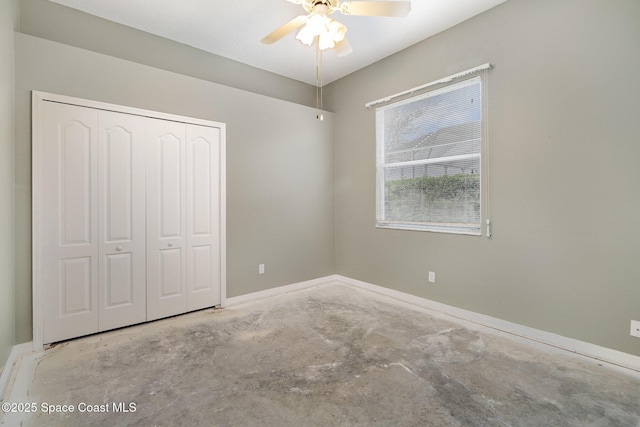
329, 33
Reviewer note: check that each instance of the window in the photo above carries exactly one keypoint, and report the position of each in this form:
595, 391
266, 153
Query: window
429, 164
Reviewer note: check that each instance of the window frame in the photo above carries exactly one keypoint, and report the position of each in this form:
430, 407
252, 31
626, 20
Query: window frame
381, 166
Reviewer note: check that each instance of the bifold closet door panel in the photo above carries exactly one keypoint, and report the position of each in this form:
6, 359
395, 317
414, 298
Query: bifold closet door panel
127, 216
67, 230
121, 206
203, 217
166, 219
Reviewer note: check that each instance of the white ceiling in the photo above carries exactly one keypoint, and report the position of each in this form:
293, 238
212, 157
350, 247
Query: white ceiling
234, 28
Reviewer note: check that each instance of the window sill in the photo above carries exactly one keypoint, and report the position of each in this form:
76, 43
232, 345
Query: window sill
449, 229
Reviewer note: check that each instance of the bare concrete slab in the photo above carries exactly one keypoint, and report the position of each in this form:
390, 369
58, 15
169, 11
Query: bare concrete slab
326, 356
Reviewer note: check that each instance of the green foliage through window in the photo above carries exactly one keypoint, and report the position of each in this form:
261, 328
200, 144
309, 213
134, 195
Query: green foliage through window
432, 198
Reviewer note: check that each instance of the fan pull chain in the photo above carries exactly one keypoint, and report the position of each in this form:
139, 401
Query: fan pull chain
319, 114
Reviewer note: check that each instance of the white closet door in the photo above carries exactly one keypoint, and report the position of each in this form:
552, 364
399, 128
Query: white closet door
122, 264
68, 230
203, 217
166, 219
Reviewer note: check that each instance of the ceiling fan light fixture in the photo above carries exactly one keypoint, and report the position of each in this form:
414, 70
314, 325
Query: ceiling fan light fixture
337, 30
326, 41
314, 26
306, 36
327, 30
317, 23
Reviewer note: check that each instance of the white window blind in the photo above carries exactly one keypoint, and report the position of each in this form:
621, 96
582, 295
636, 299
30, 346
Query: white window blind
429, 160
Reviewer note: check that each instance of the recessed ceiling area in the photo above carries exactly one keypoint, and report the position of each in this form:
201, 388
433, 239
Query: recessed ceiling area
233, 29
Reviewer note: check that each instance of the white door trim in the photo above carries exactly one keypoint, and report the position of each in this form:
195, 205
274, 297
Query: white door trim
38, 100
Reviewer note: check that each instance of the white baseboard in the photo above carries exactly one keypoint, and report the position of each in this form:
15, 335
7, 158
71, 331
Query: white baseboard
592, 351
16, 351
280, 290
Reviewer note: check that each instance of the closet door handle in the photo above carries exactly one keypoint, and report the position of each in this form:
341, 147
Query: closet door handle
170, 244
118, 248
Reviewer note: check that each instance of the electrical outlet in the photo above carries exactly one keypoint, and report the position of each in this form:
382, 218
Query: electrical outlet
635, 328
432, 277
261, 269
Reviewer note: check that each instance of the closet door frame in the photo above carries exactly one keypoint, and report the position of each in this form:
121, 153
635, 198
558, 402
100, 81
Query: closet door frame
38, 187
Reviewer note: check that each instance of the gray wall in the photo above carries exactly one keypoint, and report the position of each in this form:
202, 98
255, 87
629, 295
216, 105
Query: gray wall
279, 162
565, 256
52, 21
8, 15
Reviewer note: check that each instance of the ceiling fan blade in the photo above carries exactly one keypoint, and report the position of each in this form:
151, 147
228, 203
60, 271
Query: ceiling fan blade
290, 26
343, 48
376, 8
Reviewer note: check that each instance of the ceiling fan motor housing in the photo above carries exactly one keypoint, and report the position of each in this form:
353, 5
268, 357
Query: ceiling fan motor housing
309, 5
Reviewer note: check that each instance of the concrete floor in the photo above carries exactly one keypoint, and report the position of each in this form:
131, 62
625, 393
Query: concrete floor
327, 356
